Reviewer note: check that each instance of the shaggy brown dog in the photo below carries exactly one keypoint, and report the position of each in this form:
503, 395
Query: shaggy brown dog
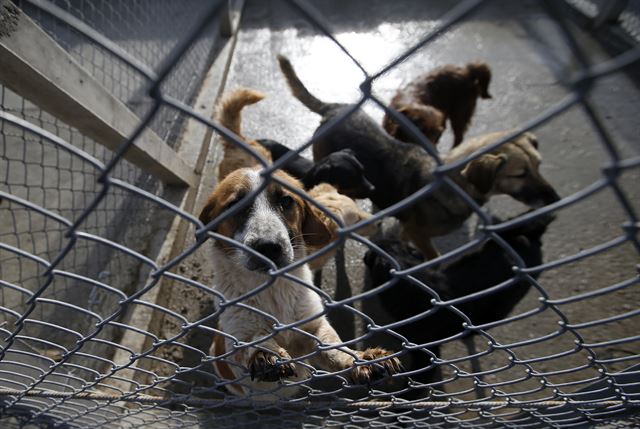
448, 92
229, 115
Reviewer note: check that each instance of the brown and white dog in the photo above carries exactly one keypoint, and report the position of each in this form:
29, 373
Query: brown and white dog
342, 169
278, 227
448, 92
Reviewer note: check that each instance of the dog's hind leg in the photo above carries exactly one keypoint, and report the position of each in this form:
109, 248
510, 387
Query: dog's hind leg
475, 364
343, 320
460, 120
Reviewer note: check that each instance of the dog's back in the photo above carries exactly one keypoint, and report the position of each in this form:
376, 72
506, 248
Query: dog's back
341, 169
448, 86
492, 265
297, 165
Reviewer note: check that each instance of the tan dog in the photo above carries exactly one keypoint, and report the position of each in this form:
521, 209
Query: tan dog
512, 169
229, 115
448, 92
345, 209
278, 227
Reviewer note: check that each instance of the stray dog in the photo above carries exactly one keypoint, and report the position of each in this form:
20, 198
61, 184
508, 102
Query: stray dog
477, 271
447, 92
397, 169
278, 226
345, 209
229, 115
340, 169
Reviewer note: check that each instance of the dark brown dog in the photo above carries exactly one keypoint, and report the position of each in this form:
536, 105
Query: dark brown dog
448, 92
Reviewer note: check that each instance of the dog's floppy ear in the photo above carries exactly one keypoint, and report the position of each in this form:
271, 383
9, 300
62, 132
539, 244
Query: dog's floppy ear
318, 229
351, 156
207, 213
481, 172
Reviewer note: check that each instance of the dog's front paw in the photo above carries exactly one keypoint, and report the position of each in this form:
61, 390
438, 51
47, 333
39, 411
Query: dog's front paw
365, 374
265, 366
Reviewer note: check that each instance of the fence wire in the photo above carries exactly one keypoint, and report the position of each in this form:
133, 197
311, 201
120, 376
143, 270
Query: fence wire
75, 227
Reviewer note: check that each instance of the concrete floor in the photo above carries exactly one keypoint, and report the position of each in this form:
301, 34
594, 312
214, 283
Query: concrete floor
525, 50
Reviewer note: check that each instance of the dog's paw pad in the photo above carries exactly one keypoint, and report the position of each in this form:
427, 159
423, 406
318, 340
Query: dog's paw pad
266, 366
365, 374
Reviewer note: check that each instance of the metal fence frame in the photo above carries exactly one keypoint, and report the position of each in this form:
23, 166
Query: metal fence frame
87, 404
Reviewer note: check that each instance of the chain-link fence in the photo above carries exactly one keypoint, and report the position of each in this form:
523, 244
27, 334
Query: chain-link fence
82, 228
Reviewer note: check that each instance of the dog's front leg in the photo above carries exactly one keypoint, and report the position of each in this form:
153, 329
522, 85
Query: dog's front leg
272, 365
340, 359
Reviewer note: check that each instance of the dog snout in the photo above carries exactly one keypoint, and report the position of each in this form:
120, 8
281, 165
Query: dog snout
540, 196
364, 189
546, 193
551, 196
270, 249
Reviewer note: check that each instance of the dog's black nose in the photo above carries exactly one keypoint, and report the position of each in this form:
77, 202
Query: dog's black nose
269, 249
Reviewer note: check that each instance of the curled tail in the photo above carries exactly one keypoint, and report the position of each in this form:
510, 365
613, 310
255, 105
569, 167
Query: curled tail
230, 110
298, 89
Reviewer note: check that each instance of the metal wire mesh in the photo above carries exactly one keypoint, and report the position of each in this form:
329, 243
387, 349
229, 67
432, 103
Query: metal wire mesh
69, 270
146, 30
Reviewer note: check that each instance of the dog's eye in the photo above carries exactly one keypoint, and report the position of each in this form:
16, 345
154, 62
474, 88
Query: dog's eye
286, 202
523, 174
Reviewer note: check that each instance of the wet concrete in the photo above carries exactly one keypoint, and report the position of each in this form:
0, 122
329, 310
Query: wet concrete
529, 60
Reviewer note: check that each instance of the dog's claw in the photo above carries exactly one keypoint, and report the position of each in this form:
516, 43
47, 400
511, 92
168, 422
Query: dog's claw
268, 367
365, 374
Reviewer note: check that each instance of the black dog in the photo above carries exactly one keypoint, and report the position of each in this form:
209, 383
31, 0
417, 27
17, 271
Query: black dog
340, 169
477, 271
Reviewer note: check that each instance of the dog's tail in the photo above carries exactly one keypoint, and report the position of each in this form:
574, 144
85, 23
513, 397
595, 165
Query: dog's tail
298, 89
230, 110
